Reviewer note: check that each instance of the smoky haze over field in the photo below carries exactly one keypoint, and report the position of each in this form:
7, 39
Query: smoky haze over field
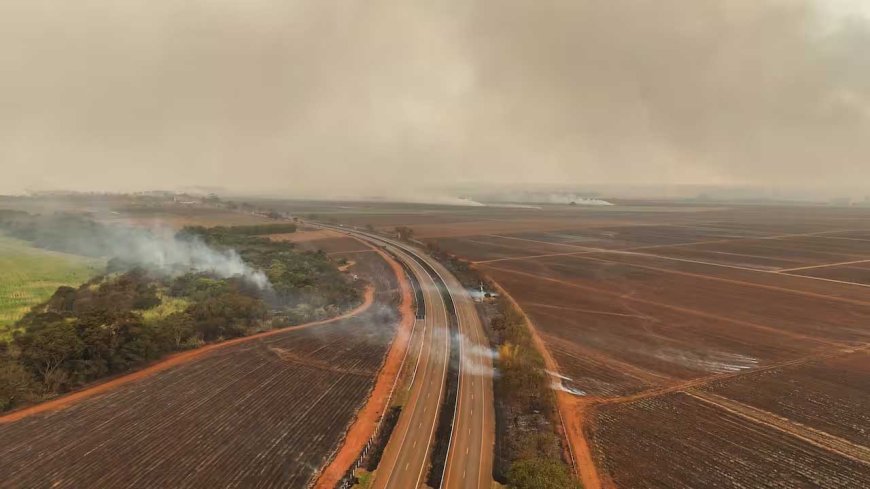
156, 249
348, 98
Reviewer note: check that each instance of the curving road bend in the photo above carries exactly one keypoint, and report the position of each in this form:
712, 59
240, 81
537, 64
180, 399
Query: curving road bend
470, 453
406, 456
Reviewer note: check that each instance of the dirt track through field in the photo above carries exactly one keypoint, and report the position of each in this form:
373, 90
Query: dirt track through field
575, 411
688, 243
684, 310
810, 435
170, 362
824, 265
369, 417
587, 311
702, 381
726, 280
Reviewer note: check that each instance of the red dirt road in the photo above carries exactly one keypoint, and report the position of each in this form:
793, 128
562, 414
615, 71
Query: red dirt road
369, 416
169, 362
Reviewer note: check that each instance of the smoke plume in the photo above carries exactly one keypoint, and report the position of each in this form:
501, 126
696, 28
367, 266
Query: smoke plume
474, 357
163, 251
157, 249
314, 98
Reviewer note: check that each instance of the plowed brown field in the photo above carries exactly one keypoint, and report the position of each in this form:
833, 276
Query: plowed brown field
702, 346
266, 412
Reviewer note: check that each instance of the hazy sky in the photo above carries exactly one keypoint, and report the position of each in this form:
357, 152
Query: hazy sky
347, 97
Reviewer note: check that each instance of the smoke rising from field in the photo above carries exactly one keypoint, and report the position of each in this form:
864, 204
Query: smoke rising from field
157, 249
163, 251
474, 357
344, 98
707, 361
558, 384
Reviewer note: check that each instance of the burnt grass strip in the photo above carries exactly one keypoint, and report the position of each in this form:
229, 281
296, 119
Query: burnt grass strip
377, 449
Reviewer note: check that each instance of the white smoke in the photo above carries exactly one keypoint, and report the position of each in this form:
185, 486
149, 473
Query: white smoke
163, 251
708, 361
558, 384
474, 357
527, 198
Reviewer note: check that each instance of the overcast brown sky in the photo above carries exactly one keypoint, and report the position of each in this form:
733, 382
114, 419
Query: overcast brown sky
346, 97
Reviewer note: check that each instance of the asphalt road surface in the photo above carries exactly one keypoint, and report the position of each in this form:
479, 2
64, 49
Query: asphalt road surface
406, 457
469, 458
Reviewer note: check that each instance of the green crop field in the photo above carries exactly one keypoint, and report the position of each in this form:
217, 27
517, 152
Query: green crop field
30, 275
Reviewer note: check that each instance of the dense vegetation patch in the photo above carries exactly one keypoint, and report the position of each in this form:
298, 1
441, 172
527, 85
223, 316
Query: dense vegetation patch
304, 285
132, 315
528, 449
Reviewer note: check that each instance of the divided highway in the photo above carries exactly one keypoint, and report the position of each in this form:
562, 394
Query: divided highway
407, 455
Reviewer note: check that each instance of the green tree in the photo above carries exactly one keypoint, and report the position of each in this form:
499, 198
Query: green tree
540, 473
47, 350
17, 385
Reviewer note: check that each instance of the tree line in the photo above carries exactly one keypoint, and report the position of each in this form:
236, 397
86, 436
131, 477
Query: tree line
528, 449
118, 321
114, 323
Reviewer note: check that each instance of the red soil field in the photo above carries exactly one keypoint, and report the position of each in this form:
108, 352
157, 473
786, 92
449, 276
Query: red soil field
704, 351
616, 237
476, 248
741, 277
831, 395
267, 412
731, 258
857, 273
632, 344
679, 441
774, 399
794, 314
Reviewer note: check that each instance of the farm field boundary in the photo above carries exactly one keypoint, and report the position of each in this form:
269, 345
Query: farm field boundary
170, 362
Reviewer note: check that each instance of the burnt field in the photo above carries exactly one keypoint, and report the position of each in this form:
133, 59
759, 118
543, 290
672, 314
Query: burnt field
268, 412
704, 354
704, 346
677, 440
